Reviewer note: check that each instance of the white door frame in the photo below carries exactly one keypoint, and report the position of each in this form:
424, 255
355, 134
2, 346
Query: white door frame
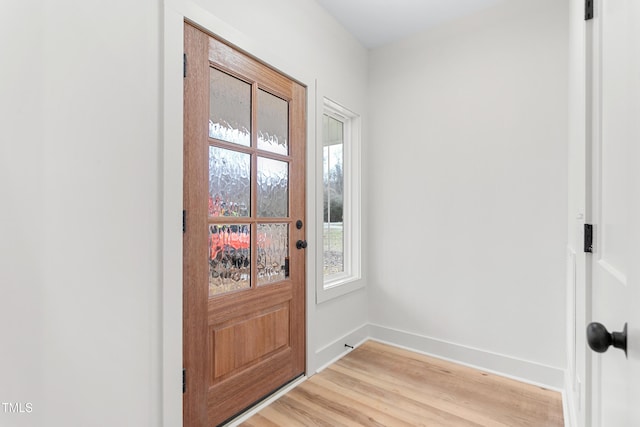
578, 381
175, 12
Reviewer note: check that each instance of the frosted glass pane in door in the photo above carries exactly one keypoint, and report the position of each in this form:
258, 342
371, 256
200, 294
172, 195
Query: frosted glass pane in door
229, 108
273, 253
229, 183
229, 258
273, 123
273, 188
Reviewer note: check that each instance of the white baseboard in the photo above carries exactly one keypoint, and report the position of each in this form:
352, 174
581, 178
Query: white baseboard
337, 349
506, 366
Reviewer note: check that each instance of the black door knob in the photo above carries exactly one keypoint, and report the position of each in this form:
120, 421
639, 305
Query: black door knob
600, 339
301, 244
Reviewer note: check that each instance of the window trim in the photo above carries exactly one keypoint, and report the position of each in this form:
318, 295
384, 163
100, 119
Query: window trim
348, 281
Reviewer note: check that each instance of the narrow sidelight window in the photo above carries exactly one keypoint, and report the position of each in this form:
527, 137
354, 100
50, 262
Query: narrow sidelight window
340, 231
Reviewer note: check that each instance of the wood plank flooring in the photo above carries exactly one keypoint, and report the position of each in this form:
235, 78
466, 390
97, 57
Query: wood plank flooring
381, 385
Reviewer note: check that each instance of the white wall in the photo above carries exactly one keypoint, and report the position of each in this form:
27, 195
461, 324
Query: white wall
21, 220
468, 173
101, 223
81, 161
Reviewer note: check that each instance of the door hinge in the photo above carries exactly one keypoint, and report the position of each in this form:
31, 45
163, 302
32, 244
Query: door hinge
588, 238
588, 10
184, 380
184, 65
184, 221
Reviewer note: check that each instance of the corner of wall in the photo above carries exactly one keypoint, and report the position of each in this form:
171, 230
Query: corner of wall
330, 353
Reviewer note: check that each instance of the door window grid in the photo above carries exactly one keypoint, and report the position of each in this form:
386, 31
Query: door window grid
259, 182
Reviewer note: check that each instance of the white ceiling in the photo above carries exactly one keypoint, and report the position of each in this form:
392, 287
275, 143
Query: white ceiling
377, 22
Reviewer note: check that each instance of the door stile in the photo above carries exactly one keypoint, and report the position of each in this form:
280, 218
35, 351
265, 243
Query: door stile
298, 204
194, 239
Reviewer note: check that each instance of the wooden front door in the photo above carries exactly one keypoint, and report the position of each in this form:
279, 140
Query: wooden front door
244, 262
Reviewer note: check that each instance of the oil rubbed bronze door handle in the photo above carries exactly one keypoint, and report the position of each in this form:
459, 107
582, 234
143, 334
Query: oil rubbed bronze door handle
600, 339
301, 244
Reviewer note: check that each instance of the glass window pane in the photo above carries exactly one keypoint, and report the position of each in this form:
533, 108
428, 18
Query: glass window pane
333, 179
273, 253
229, 108
229, 258
229, 183
273, 188
273, 123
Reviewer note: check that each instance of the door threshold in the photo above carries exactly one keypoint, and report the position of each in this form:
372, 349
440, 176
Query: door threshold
251, 411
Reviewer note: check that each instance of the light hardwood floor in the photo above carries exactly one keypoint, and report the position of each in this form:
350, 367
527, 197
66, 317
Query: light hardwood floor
381, 385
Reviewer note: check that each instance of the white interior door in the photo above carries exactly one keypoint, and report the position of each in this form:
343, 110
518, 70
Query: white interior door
615, 198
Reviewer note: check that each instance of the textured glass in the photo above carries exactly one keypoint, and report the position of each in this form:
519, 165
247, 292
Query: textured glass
333, 180
229, 183
229, 108
273, 188
273, 123
229, 258
273, 253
